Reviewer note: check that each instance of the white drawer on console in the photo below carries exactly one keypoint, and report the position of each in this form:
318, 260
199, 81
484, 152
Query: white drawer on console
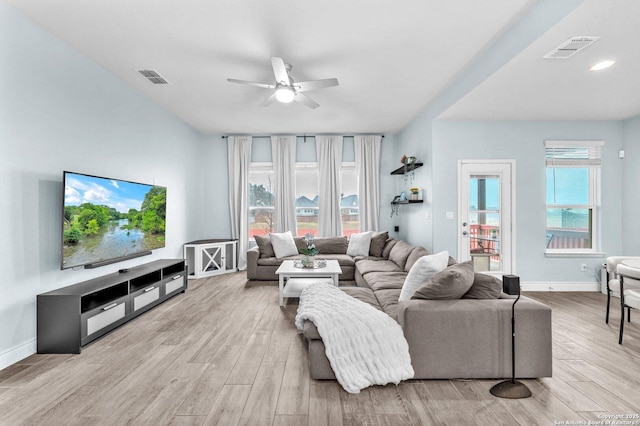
149, 295
110, 314
176, 283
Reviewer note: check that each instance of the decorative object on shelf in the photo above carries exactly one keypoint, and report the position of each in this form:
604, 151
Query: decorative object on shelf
410, 164
415, 193
408, 160
511, 389
307, 261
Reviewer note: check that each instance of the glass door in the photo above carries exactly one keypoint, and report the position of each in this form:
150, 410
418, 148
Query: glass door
485, 227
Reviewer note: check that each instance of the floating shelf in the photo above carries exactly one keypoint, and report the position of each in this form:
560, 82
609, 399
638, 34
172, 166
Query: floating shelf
408, 202
409, 168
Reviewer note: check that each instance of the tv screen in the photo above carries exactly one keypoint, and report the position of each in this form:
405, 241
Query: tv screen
108, 220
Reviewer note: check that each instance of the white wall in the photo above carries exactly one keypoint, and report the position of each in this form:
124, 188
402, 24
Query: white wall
60, 111
630, 180
523, 142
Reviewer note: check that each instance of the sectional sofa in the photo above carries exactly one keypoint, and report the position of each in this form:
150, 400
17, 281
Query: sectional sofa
460, 338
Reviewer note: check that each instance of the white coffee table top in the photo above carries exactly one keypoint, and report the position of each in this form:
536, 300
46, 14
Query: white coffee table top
288, 269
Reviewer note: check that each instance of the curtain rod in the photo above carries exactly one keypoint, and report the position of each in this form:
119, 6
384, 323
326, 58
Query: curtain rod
297, 136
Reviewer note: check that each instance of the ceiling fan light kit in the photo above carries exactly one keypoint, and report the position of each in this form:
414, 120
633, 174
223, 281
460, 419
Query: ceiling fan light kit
285, 94
285, 89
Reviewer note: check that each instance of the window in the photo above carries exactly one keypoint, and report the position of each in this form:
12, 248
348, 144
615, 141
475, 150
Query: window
261, 199
307, 198
349, 202
572, 181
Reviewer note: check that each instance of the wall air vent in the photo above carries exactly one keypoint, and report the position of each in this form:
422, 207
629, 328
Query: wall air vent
571, 47
153, 76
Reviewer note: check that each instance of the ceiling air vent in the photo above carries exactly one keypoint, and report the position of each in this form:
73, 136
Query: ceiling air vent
571, 47
153, 76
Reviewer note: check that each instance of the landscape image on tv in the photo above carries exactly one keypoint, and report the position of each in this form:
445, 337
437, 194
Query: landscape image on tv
106, 219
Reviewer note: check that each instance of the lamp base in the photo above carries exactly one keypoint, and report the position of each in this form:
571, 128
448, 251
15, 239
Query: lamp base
511, 390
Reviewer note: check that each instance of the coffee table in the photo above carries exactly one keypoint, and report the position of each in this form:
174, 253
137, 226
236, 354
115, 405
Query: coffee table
287, 271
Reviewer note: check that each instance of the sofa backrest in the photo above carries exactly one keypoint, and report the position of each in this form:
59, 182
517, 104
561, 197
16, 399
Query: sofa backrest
415, 254
400, 253
325, 245
331, 245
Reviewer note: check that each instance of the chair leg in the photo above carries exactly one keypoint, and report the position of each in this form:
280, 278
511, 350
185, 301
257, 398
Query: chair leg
628, 314
621, 324
608, 304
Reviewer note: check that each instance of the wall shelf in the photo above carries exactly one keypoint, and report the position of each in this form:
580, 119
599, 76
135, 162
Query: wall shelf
407, 202
406, 169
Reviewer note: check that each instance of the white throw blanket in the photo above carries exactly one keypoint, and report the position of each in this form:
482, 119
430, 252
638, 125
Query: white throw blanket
364, 345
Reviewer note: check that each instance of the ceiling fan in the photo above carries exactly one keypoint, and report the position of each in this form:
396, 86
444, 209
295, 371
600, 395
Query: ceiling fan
286, 89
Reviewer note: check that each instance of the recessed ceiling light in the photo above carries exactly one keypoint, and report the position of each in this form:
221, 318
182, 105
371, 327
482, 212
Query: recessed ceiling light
601, 65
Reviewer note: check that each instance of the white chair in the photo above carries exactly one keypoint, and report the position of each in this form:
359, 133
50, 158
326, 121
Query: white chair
613, 281
629, 272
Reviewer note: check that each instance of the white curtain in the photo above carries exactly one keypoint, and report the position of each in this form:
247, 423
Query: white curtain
239, 156
283, 151
329, 152
367, 149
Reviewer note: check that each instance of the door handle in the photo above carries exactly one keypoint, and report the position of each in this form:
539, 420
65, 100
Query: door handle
465, 233
464, 223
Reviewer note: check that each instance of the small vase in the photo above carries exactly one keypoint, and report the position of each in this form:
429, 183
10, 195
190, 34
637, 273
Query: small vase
307, 261
414, 197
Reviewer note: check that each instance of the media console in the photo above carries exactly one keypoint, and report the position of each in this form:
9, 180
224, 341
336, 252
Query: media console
73, 316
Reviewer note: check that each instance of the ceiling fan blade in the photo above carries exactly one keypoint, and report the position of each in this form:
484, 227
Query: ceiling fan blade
269, 100
252, 83
306, 101
305, 86
280, 71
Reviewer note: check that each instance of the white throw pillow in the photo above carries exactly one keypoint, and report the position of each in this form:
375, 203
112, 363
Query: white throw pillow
283, 244
359, 244
421, 271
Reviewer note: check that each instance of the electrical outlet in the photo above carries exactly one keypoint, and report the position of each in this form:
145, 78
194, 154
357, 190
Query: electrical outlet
583, 267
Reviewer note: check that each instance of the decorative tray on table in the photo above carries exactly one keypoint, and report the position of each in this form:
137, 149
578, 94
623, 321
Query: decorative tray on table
310, 263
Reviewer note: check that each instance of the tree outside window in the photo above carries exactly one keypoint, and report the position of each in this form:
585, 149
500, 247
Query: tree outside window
261, 203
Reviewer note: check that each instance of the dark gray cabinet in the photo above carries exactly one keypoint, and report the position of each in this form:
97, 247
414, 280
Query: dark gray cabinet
73, 316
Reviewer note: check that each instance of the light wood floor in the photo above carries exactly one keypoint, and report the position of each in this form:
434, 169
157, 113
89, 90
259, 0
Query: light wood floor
225, 353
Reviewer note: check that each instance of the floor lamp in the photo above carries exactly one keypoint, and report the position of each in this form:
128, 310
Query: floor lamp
511, 388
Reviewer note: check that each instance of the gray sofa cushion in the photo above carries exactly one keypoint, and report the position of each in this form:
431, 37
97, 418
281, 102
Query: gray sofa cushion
388, 246
399, 253
331, 245
388, 300
264, 244
452, 283
366, 266
274, 261
378, 240
363, 294
385, 280
343, 259
484, 287
416, 254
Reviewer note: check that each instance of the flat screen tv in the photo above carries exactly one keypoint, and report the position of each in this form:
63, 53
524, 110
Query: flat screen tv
107, 220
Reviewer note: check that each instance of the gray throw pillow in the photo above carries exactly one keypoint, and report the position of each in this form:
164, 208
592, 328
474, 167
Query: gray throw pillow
378, 240
388, 245
484, 287
452, 283
265, 247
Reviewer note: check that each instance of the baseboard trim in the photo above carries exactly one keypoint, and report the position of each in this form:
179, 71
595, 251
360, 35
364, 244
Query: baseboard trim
555, 286
18, 353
